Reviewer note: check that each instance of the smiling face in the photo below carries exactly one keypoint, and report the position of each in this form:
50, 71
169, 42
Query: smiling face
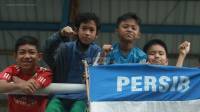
128, 30
27, 57
87, 32
157, 55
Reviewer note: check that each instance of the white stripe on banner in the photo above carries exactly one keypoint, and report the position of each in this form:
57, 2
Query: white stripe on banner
146, 106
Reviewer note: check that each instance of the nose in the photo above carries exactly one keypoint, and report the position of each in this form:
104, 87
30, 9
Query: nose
27, 55
129, 29
87, 32
157, 55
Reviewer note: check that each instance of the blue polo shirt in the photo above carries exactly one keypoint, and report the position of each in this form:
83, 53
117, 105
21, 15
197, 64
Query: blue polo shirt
136, 55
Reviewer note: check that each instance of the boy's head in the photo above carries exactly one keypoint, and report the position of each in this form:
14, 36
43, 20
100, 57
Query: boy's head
87, 25
156, 51
27, 52
128, 27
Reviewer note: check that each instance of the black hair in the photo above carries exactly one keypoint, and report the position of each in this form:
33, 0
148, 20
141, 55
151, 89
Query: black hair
27, 40
128, 15
86, 17
155, 42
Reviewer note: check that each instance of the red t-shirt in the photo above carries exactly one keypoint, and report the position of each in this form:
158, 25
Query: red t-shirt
27, 103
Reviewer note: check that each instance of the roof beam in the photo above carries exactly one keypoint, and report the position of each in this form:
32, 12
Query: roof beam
160, 29
145, 28
38, 26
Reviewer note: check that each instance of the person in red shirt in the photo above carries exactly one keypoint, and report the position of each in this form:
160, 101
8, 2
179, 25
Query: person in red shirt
27, 77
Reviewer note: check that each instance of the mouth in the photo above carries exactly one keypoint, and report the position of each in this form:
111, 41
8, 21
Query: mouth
86, 39
130, 36
26, 62
157, 62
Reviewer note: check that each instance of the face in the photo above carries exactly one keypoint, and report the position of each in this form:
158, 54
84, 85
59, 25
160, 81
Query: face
87, 32
27, 57
157, 55
128, 30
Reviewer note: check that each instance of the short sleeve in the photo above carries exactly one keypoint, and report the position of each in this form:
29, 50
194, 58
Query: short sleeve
43, 77
6, 74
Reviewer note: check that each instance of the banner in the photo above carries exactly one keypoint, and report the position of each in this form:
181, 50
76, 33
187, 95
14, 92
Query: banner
144, 88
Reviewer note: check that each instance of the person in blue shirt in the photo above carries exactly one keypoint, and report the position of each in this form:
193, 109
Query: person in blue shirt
65, 59
128, 29
157, 52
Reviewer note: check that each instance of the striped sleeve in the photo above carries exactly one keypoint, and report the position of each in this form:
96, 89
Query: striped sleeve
43, 77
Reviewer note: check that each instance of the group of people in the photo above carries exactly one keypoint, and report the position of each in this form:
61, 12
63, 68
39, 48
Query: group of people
64, 51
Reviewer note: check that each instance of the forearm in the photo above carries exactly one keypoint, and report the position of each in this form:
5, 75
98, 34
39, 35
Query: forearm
180, 60
49, 50
101, 58
7, 87
184, 49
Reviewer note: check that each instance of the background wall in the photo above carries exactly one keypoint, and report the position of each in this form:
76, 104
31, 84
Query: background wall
172, 21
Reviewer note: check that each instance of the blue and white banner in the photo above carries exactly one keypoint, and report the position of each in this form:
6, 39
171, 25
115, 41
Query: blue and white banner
144, 88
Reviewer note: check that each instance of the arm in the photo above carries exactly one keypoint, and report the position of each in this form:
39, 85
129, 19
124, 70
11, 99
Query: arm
43, 78
50, 47
184, 49
53, 42
104, 53
7, 87
28, 87
5, 79
9, 82
62, 63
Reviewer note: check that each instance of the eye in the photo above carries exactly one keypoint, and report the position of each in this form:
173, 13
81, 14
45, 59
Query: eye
134, 28
84, 28
91, 30
125, 26
151, 52
32, 52
21, 52
161, 53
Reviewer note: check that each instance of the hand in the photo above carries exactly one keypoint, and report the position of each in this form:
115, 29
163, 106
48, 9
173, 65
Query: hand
148, 62
17, 80
84, 76
107, 48
184, 48
68, 32
28, 87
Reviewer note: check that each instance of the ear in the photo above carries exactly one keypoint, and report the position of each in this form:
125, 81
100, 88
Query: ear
139, 35
117, 32
14, 55
40, 56
166, 63
96, 37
